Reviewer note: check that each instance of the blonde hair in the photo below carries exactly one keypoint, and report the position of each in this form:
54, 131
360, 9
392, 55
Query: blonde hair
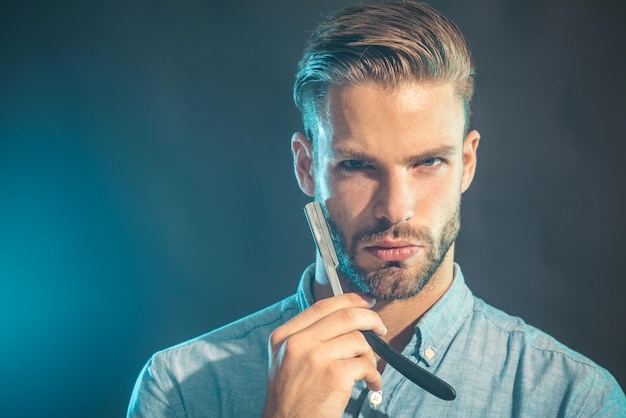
389, 43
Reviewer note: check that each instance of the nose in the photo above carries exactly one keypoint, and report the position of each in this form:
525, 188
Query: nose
395, 198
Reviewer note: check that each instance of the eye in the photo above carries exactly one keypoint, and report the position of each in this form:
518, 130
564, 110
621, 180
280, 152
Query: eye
431, 162
352, 164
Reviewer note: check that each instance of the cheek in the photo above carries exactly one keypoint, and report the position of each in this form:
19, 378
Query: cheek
355, 192
330, 183
349, 201
436, 197
446, 206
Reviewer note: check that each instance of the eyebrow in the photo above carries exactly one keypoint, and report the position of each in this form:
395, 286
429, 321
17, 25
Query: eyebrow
348, 153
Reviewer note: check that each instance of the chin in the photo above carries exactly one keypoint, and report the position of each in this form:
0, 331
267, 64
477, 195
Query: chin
391, 282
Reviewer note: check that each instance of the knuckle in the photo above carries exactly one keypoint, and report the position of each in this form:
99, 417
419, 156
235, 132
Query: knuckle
316, 360
293, 345
374, 318
276, 338
357, 338
354, 298
346, 315
336, 373
345, 373
368, 370
368, 363
327, 305
322, 306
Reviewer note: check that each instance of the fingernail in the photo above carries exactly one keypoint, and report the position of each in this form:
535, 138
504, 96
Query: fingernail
370, 299
382, 332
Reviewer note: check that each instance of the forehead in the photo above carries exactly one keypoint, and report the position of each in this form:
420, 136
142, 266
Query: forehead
376, 115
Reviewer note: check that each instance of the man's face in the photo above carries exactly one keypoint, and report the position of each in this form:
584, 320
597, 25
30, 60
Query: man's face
390, 165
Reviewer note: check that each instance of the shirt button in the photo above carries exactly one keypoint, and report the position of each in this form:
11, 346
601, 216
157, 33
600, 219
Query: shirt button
429, 353
376, 398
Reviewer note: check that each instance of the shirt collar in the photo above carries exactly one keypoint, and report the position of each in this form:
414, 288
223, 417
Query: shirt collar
434, 330
304, 295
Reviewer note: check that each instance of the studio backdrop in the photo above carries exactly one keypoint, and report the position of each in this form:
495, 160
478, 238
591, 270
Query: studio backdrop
147, 193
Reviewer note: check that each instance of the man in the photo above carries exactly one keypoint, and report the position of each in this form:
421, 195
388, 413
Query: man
384, 92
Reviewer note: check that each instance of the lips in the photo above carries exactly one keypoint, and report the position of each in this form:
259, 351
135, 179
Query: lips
393, 250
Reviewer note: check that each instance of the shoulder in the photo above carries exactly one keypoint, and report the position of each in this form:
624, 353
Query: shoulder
248, 334
527, 338
220, 364
535, 363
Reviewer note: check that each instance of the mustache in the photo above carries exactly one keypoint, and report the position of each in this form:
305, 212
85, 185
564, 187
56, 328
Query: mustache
397, 231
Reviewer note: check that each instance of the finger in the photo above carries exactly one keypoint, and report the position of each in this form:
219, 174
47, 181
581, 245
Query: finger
346, 321
343, 347
352, 370
340, 351
321, 309
305, 346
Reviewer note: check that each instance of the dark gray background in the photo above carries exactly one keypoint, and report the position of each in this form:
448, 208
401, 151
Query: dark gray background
147, 194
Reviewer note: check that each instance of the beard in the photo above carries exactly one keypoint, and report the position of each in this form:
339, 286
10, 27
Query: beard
396, 280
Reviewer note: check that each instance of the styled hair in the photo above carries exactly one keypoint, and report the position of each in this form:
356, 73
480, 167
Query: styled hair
390, 43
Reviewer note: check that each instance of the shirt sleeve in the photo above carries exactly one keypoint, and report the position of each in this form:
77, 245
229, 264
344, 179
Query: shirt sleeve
149, 398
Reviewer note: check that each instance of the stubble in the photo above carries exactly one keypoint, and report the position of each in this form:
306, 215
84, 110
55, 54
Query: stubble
396, 280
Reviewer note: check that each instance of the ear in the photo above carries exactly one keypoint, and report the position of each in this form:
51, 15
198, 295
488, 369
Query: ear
302, 150
470, 145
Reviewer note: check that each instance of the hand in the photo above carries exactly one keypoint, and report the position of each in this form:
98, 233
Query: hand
316, 358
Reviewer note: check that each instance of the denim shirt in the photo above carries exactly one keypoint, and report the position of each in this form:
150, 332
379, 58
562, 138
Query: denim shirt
498, 365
